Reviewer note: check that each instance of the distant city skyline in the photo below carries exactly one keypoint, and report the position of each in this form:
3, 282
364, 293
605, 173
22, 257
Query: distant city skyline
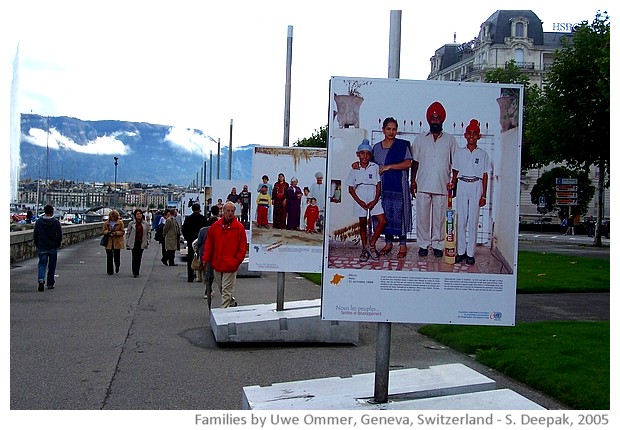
151, 153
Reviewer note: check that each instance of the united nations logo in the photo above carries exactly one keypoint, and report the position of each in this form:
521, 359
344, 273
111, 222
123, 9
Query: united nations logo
497, 316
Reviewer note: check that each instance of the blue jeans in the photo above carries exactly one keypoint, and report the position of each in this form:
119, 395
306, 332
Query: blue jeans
47, 259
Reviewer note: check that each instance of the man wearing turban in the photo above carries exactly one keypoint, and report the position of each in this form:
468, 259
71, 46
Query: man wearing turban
433, 153
317, 190
471, 169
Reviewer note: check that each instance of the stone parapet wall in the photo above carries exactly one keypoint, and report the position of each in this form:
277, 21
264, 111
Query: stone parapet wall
22, 244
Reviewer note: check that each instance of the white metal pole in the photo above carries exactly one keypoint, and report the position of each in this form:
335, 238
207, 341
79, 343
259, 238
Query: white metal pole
230, 152
287, 121
384, 329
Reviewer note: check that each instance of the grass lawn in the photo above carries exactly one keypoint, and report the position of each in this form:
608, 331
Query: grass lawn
553, 273
567, 360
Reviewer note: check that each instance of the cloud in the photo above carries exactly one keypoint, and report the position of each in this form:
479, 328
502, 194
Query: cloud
104, 145
191, 140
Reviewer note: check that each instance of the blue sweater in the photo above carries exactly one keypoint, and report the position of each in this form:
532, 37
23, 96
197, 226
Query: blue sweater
47, 233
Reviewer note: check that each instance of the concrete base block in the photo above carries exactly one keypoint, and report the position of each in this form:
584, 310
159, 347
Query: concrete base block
444, 387
300, 321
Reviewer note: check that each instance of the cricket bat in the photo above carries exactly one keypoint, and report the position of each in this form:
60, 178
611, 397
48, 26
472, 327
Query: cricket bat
449, 247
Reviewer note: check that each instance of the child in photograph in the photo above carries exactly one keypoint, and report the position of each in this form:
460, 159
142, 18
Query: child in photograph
311, 216
365, 188
471, 169
305, 201
263, 202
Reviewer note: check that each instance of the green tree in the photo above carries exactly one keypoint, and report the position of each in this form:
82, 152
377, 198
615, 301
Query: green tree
571, 122
511, 74
545, 186
317, 140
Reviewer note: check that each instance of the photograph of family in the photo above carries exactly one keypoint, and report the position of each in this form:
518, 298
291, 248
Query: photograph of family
287, 231
405, 164
425, 226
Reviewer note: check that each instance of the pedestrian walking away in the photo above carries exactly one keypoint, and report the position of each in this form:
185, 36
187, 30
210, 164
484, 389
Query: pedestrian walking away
172, 239
47, 238
190, 229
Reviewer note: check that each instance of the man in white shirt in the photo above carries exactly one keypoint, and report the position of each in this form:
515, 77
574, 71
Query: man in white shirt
317, 191
430, 174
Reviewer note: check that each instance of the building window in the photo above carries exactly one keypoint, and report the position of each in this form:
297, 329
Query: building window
519, 27
519, 56
519, 30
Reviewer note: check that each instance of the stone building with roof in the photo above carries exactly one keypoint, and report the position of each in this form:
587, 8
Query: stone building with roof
504, 36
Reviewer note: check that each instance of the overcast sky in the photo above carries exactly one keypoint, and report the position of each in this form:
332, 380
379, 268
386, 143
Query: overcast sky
199, 64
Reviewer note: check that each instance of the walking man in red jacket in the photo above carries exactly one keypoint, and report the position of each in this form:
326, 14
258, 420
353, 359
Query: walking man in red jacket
225, 250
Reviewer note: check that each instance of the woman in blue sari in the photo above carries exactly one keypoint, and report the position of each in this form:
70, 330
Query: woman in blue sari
393, 155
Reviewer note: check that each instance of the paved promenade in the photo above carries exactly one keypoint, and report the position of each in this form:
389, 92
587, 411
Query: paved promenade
100, 342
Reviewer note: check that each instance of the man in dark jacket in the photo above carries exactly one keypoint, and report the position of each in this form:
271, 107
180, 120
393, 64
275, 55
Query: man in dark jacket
191, 228
47, 238
245, 198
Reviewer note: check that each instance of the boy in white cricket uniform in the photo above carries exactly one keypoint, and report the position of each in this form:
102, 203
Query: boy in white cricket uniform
365, 188
471, 169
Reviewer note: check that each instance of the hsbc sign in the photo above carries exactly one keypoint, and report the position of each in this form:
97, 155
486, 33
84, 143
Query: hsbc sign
565, 27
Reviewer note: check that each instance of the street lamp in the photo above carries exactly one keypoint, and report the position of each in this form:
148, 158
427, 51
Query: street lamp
115, 170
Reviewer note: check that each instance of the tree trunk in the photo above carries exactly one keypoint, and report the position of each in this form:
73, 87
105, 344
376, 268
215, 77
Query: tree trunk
601, 202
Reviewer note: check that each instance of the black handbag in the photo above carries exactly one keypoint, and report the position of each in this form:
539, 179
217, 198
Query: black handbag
104, 240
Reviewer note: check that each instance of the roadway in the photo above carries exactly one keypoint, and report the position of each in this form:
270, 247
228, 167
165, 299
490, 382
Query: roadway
560, 244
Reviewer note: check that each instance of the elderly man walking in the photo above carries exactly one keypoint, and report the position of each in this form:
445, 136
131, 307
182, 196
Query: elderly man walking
225, 250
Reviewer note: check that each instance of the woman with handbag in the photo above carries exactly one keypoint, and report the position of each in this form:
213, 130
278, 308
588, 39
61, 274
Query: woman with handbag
137, 240
114, 228
196, 265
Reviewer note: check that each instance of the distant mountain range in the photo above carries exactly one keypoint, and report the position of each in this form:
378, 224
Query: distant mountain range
84, 151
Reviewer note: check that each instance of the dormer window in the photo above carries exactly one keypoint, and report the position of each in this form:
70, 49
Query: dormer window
484, 34
519, 27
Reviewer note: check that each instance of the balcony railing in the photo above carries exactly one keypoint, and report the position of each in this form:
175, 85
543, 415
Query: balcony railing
522, 65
